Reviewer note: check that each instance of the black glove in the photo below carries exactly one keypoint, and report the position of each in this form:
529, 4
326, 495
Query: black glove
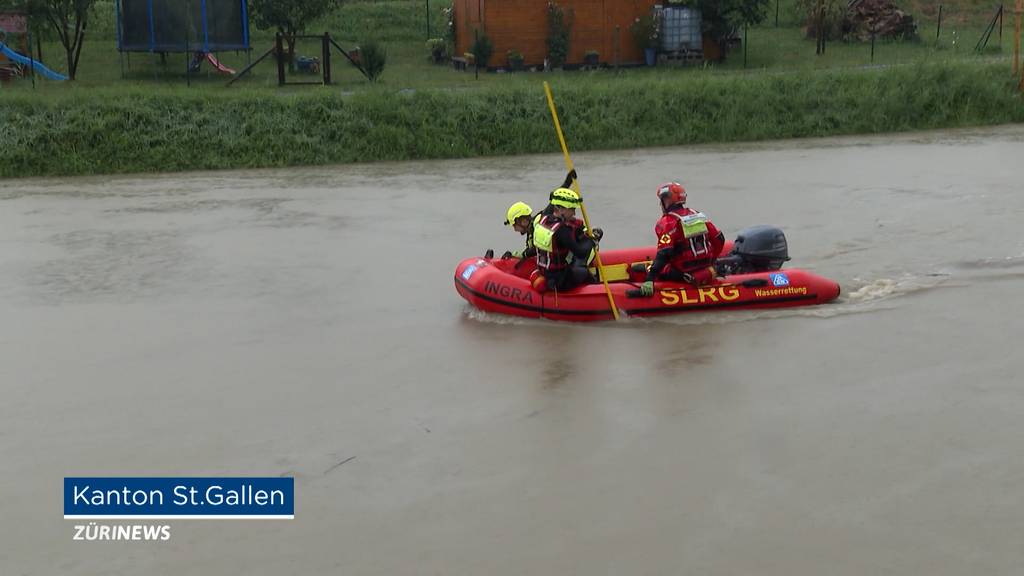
597, 233
569, 178
489, 253
506, 255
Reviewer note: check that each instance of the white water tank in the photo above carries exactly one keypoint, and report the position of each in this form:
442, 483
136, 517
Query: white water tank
680, 30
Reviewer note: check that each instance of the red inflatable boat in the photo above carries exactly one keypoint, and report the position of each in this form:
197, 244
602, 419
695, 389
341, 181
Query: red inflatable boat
503, 286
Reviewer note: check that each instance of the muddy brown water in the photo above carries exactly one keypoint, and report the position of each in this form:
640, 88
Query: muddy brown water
280, 322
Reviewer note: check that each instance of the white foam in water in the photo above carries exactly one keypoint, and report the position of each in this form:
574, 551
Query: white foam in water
884, 288
479, 315
881, 288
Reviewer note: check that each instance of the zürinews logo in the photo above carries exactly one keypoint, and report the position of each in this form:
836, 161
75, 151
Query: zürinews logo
179, 498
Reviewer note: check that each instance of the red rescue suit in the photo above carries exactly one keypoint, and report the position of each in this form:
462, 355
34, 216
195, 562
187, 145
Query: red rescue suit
688, 243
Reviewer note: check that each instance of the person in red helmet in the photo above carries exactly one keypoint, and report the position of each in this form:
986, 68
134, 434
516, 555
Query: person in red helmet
688, 242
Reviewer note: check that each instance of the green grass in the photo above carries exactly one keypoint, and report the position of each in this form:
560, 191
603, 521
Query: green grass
119, 130
149, 120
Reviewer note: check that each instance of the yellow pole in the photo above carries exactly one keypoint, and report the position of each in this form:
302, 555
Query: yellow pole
576, 188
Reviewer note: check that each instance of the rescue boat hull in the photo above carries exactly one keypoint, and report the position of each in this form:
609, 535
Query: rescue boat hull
498, 286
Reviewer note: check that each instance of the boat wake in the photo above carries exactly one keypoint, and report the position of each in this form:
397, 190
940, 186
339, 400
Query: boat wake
992, 269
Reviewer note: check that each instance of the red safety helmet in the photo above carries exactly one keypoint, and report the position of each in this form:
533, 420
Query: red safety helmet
674, 191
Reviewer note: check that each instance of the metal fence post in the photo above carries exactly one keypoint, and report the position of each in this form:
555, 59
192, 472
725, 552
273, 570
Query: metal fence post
279, 47
32, 62
1016, 36
327, 58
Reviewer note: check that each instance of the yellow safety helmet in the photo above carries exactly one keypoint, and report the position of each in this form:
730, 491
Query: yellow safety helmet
565, 198
517, 211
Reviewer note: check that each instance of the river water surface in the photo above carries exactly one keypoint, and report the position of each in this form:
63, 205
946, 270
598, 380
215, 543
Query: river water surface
282, 322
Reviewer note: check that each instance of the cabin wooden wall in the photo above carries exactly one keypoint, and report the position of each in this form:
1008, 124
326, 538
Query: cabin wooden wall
601, 25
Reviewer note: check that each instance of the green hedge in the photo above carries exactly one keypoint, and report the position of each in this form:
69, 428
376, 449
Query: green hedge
110, 131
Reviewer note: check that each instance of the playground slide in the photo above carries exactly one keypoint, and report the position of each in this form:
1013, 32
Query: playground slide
25, 61
216, 64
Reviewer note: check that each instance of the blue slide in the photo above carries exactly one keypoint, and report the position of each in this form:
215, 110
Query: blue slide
25, 61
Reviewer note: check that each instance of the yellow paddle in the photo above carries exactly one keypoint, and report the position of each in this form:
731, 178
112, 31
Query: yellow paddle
576, 188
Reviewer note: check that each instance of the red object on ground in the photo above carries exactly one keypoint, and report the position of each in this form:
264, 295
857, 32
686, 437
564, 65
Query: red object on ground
216, 64
493, 285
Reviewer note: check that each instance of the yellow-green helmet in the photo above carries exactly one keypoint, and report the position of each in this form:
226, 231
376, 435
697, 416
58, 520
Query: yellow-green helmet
565, 198
517, 211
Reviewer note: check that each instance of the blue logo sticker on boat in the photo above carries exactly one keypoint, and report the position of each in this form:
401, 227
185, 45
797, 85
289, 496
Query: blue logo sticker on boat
468, 272
779, 279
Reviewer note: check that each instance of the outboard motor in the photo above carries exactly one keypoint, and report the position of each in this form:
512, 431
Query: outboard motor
756, 249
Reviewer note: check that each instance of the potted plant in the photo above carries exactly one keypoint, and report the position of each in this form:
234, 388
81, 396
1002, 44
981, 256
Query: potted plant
592, 58
645, 33
515, 59
438, 49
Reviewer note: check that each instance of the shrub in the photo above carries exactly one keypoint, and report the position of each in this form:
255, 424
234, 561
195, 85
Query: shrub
515, 59
645, 31
482, 50
438, 49
449, 18
374, 56
559, 26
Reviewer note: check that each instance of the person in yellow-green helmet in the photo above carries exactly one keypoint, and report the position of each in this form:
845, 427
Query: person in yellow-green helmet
520, 217
563, 248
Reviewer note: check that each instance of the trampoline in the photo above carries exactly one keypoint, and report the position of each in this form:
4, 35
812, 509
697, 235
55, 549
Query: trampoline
182, 25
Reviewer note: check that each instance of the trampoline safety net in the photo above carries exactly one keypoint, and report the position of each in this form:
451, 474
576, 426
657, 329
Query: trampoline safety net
182, 25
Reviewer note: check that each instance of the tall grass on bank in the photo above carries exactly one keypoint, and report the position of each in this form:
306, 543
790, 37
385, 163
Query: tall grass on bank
117, 131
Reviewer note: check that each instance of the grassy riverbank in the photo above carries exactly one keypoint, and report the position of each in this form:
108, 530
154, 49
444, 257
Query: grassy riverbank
118, 130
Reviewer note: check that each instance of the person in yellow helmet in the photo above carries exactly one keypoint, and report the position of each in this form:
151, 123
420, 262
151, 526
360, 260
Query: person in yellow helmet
520, 217
549, 209
563, 248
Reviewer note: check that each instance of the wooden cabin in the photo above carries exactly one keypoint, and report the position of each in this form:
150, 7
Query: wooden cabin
522, 25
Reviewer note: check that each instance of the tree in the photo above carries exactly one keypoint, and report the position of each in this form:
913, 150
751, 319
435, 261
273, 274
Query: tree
559, 32
289, 17
67, 18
